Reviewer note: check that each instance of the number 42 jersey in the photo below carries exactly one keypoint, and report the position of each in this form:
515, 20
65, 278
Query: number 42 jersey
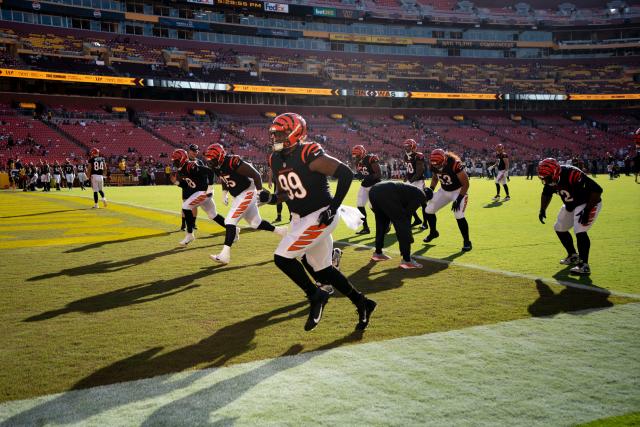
308, 191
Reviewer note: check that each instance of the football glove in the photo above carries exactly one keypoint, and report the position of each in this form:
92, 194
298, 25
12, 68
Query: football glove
583, 216
455, 206
542, 215
428, 192
225, 198
266, 197
326, 216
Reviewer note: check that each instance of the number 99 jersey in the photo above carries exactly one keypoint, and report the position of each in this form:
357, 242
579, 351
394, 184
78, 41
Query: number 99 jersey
308, 191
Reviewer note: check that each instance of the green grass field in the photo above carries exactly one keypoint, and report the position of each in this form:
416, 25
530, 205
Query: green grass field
100, 297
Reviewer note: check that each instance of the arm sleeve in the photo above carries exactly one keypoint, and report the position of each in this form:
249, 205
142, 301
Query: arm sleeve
344, 176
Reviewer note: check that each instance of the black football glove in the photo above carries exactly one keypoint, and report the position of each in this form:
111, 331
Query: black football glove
326, 216
455, 206
542, 215
583, 216
428, 192
266, 197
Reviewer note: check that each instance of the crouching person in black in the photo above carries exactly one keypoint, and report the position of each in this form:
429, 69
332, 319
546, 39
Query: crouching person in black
396, 202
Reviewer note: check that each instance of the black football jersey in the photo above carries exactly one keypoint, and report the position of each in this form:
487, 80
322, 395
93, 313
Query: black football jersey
68, 169
44, 169
365, 167
56, 169
448, 176
80, 167
98, 165
573, 187
411, 160
193, 177
500, 161
228, 174
308, 191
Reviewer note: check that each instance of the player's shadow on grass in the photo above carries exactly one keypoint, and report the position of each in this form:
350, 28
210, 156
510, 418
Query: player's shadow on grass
227, 343
111, 242
110, 266
493, 204
200, 407
565, 276
568, 300
44, 213
393, 277
136, 294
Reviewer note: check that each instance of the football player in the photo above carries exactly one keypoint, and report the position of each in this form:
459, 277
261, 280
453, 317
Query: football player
193, 151
301, 170
395, 202
502, 172
243, 182
45, 175
97, 170
68, 173
368, 167
57, 174
81, 169
414, 161
582, 202
448, 169
636, 159
194, 181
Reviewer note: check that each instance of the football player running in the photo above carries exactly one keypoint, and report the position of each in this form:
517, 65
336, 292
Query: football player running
448, 169
414, 162
502, 171
368, 167
582, 202
194, 181
97, 169
301, 170
243, 182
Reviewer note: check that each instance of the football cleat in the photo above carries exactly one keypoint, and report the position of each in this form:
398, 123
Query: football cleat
281, 231
506, 199
379, 257
466, 246
365, 308
571, 260
336, 257
235, 239
364, 231
581, 270
496, 198
431, 236
327, 288
95, 206
278, 219
317, 303
410, 265
220, 259
188, 238
424, 226
416, 223
104, 202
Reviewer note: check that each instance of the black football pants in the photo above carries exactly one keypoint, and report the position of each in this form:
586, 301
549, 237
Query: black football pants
387, 212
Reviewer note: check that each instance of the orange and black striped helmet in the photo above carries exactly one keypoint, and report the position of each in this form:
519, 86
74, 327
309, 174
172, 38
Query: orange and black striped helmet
358, 151
215, 154
410, 145
437, 158
287, 130
549, 170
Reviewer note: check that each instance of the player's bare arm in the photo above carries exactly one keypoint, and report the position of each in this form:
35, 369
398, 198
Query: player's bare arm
250, 172
377, 173
464, 181
434, 182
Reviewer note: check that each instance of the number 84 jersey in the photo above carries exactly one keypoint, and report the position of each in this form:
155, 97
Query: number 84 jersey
308, 191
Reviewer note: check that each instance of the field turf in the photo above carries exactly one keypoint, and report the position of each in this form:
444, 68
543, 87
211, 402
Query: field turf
99, 297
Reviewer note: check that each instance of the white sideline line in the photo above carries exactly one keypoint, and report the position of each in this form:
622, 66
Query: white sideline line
592, 288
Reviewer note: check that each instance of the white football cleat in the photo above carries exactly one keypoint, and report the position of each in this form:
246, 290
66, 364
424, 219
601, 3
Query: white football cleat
104, 202
379, 257
281, 231
188, 238
224, 257
95, 206
571, 260
410, 265
336, 256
